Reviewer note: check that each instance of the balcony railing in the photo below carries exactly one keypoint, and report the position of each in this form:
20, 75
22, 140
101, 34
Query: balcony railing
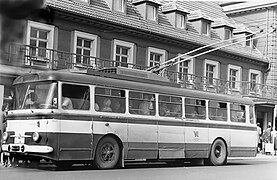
42, 58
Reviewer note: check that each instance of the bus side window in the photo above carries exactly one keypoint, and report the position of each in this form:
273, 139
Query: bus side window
251, 114
217, 111
110, 100
170, 106
238, 113
195, 108
75, 97
142, 103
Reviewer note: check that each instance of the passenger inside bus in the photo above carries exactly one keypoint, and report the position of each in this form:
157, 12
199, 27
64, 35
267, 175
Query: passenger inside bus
132, 109
66, 103
144, 108
176, 110
107, 105
117, 107
164, 111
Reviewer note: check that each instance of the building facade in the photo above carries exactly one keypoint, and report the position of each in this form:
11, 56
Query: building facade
140, 34
257, 16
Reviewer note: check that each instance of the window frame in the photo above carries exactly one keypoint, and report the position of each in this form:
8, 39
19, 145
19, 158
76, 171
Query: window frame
228, 34
249, 40
121, 3
154, 13
232, 110
238, 76
217, 117
141, 99
196, 106
156, 51
190, 69
172, 103
181, 21
207, 25
50, 42
216, 70
111, 97
94, 47
259, 79
131, 51
60, 93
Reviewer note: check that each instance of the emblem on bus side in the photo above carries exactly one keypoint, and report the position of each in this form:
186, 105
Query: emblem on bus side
196, 134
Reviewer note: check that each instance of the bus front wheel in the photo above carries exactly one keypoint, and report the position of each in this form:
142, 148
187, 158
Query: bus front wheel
107, 153
218, 154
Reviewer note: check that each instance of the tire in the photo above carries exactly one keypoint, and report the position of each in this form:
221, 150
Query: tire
107, 153
218, 153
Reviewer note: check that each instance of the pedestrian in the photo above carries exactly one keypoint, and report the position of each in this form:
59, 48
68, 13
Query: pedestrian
259, 138
267, 139
5, 160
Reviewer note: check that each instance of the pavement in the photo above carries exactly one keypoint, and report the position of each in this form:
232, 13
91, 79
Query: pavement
259, 156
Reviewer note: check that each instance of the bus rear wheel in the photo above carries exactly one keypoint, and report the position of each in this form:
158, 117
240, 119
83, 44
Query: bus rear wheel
218, 154
107, 153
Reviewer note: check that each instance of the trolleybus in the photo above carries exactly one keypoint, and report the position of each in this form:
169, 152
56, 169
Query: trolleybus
108, 118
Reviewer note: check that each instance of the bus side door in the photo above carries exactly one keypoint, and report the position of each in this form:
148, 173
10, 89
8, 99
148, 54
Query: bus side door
142, 138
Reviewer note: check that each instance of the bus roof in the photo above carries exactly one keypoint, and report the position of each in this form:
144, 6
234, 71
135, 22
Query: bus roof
126, 82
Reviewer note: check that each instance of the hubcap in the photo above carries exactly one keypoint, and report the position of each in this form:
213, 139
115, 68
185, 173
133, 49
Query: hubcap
217, 151
107, 152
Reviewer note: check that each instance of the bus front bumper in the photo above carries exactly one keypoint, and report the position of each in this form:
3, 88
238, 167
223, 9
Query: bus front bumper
23, 148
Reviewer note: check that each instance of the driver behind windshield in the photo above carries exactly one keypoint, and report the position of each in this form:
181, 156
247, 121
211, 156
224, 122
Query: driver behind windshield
31, 101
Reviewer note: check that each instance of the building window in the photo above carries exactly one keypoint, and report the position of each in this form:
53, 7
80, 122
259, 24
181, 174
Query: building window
254, 79
211, 71
119, 5
40, 37
248, 41
234, 76
151, 12
185, 69
180, 21
155, 56
85, 48
205, 30
123, 53
227, 34
121, 56
155, 59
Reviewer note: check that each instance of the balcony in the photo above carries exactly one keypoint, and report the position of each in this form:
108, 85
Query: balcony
48, 59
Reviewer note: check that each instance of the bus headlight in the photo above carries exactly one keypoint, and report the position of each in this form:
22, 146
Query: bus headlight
5, 136
36, 137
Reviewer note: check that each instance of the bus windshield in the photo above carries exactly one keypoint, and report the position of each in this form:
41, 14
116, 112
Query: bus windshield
36, 96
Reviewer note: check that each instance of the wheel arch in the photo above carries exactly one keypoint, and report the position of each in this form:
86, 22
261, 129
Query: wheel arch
119, 141
224, 141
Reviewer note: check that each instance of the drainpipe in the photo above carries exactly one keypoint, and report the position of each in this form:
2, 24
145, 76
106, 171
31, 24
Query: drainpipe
274, 118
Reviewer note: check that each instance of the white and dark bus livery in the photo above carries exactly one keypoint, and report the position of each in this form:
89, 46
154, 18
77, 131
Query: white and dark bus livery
108, 118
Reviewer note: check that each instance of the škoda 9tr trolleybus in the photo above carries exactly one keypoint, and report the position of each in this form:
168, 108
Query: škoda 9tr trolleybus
107, 118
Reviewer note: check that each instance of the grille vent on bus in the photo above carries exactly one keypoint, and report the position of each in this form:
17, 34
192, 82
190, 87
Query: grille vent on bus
134, 73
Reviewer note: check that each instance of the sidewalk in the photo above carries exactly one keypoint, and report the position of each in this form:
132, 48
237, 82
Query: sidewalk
259, 156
